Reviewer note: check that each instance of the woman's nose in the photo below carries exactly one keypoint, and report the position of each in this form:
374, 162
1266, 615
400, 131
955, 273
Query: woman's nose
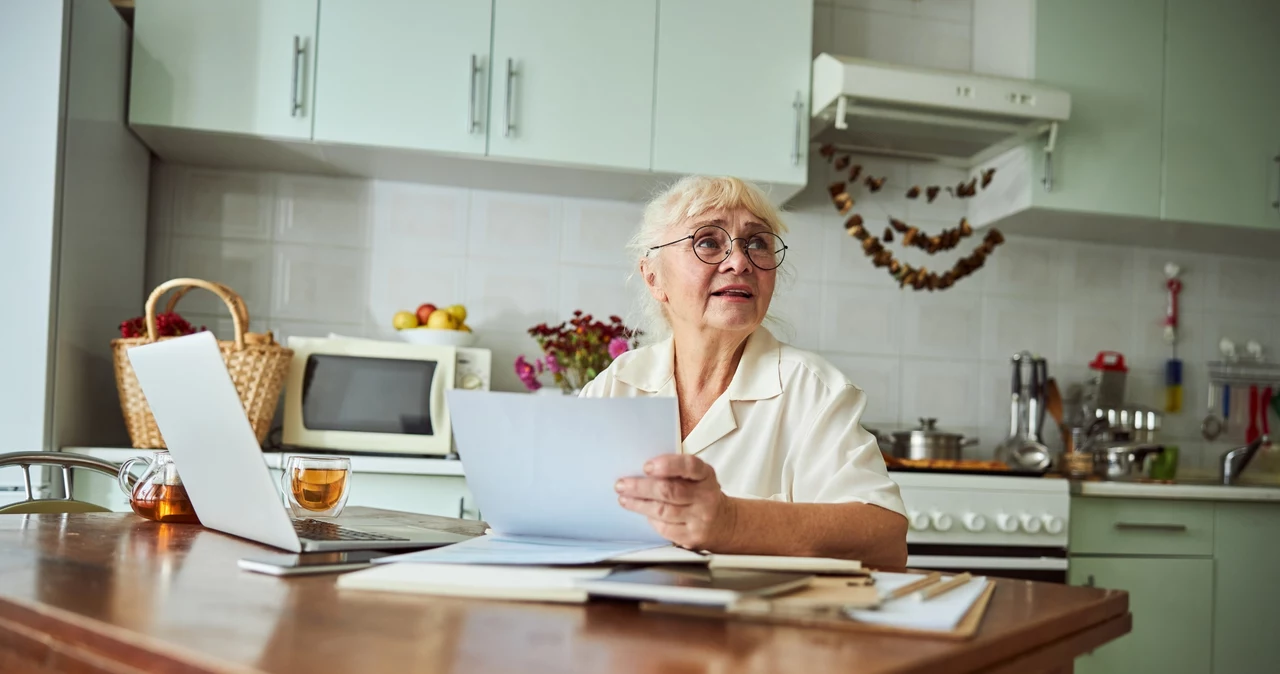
737, 260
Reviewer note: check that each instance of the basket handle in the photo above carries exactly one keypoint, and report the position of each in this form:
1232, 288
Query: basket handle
241, 307
239, 314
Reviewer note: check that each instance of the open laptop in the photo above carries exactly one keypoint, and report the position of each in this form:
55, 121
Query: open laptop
204, 425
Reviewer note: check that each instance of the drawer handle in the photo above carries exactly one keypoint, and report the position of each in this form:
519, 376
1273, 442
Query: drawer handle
1134, 526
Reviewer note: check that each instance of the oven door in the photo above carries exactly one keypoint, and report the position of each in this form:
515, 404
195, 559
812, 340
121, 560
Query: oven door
1041, 564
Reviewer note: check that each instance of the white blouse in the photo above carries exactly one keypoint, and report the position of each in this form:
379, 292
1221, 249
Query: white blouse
786, 429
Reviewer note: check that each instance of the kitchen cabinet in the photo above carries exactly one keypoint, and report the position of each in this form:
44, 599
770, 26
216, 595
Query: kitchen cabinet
1171, 600
1110, 57
572, 81
233, 66
723, 108
404, 73
1222, 113
1246, 606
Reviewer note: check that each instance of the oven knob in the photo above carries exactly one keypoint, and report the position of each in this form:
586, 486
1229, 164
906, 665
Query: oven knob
1006, 523
1030, 524
1052, 525
471, 382
941, 521
919, 521
974, 522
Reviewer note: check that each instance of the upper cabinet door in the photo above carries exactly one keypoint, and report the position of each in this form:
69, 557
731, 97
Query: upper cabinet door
1108, 154
573, 81
733, 88
404, 73
236, 66
1222, 112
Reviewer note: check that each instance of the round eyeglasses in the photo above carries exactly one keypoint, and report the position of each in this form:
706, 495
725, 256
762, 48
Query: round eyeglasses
713, 245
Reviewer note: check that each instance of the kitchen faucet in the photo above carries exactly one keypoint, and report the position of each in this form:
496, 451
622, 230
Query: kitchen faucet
1235, 461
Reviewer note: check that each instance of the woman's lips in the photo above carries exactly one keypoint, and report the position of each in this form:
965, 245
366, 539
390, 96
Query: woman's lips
734, 293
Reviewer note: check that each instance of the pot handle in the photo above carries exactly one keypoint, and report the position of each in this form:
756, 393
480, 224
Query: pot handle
968, 442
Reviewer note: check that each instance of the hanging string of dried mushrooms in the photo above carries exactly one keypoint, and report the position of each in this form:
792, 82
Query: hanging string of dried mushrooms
918, 278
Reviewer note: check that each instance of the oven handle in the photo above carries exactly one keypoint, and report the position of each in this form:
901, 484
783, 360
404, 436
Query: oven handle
993, 563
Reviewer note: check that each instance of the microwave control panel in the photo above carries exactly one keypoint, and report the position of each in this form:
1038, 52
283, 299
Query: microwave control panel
473, 370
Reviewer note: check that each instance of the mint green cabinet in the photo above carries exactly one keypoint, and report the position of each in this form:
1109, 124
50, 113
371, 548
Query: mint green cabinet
1110, 57
1171, 600
1222, 112
579, 89
404, 73
1246, 609
732, 88
232, 66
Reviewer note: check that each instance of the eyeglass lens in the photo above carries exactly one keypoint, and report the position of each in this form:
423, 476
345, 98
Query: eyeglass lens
713, 245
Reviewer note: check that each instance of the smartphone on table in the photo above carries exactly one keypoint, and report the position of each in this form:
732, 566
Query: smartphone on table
289, 564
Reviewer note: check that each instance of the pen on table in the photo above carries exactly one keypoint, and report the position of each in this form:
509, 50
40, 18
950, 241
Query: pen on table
941, 588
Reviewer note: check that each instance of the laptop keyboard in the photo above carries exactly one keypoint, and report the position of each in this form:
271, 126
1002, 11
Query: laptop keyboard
327, 531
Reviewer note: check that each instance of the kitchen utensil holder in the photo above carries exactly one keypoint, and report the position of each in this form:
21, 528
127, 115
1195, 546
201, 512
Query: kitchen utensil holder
1245, 373
257, 364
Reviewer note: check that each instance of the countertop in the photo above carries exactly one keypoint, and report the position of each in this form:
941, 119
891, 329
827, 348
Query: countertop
110, 592
1197, 489
395, 465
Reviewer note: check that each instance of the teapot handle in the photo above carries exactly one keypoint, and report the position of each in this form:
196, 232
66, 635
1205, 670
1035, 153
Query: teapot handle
123, 477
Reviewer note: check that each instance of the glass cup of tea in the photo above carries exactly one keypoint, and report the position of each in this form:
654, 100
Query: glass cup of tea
316, 486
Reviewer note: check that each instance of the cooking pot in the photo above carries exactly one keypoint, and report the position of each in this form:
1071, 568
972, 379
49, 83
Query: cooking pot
927, 442
1128, 461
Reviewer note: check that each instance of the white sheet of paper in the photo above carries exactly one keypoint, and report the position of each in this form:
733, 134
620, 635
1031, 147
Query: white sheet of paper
545, 465
940, 613
527, 551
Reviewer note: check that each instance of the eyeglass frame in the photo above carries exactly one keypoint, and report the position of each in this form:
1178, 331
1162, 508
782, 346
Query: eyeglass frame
729, 249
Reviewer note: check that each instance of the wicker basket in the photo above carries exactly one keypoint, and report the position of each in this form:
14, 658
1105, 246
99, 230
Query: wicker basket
256, 363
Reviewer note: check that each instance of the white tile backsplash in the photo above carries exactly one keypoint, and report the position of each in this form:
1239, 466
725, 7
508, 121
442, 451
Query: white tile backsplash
222, 205
430, 221
318, 255
515, 226
320, 283
862, 319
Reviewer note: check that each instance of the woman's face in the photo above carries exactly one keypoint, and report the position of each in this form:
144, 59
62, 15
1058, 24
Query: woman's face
731, 295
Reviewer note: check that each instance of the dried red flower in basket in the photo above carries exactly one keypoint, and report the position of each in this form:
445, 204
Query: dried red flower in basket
169, 324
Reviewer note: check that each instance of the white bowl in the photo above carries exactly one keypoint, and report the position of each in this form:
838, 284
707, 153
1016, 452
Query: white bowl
437, 337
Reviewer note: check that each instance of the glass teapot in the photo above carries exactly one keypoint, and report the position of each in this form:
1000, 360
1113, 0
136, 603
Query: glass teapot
159, 494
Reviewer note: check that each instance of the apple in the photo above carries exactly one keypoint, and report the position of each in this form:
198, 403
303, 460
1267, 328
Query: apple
424, 312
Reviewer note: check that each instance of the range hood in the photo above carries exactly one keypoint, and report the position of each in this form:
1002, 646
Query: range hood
956, 118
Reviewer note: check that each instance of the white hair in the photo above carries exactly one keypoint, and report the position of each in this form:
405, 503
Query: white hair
687, 198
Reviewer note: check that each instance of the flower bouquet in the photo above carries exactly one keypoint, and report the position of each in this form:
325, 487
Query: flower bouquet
575, 351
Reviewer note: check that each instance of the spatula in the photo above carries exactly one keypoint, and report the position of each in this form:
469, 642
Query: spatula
1053, 401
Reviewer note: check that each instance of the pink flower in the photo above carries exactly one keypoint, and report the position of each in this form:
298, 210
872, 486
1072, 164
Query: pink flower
617, 347
527, 374
553, 364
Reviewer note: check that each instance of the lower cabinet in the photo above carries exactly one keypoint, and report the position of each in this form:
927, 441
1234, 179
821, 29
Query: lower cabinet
1246, 608
1171, 600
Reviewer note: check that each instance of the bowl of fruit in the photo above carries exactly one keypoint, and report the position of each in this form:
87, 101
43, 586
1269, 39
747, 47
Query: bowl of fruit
439, 326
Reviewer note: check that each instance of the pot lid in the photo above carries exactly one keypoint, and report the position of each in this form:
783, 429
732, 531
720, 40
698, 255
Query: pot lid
927, 428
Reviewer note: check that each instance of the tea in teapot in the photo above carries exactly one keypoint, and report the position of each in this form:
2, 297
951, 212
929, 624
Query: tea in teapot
159, 494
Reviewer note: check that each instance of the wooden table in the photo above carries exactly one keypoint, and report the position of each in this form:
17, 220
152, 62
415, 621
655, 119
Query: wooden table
112, 592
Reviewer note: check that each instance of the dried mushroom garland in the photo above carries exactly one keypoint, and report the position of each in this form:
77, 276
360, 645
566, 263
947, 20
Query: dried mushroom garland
907, 275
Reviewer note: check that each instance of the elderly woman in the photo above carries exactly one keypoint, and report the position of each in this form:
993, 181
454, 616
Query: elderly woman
773, 459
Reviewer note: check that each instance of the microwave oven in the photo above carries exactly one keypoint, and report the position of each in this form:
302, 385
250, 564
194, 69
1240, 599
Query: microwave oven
364, 396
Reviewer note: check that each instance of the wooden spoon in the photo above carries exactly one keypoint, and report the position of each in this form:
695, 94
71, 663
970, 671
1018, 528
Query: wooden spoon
1053, 402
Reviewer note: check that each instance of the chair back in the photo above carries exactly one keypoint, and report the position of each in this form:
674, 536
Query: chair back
66, 462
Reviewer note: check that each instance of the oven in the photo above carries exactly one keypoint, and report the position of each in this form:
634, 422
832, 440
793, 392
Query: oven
1002, 526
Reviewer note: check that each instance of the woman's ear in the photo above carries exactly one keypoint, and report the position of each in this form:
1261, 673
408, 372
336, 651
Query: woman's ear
649, 272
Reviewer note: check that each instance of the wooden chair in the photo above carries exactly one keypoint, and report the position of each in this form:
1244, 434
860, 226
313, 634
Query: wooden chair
32, 505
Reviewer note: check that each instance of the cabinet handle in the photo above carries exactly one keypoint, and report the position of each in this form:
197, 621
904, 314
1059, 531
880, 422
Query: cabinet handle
473, 124
506, 114
460, 511
798, 106
1089, 582
1276, 204
294, 100
1136, 526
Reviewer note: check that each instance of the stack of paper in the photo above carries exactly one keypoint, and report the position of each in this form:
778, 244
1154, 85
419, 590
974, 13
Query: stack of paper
517, 583
940, 614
